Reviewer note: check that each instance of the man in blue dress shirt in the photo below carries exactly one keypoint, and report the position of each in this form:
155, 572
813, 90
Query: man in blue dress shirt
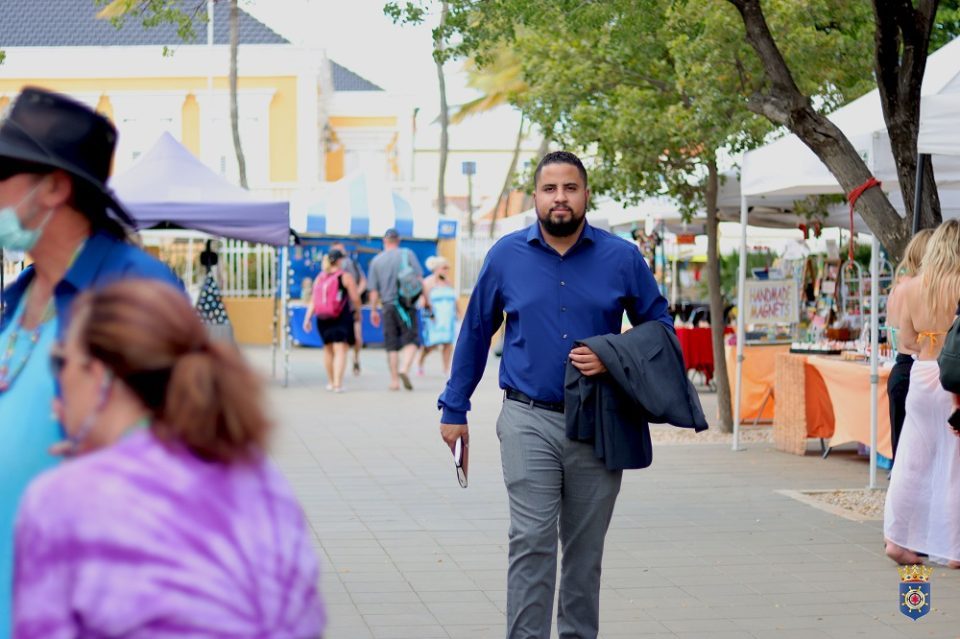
55, 156
558, 281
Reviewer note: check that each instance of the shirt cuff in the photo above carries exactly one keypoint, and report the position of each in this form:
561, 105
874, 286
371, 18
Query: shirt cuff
451, 416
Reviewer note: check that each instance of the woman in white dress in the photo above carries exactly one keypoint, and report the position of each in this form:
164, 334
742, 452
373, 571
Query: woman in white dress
922, 510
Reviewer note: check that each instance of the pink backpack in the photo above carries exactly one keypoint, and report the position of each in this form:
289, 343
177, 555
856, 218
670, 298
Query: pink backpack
329, 297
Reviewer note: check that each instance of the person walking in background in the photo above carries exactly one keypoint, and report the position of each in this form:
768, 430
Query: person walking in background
178, 525
577, 282
335, 303
396, 282
922, 510
899, 381
349, 265
440, 314
55, 157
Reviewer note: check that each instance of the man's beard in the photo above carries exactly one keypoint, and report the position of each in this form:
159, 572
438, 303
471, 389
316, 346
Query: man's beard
561, 229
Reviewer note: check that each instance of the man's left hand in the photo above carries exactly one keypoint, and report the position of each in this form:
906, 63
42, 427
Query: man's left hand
587, 361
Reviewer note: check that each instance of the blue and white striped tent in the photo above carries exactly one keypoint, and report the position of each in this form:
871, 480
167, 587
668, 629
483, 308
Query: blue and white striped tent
361, 206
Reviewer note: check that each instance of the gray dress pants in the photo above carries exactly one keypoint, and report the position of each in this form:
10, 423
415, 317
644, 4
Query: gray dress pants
553, 482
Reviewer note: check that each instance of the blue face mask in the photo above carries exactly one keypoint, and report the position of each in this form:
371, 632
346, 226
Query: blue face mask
12, 234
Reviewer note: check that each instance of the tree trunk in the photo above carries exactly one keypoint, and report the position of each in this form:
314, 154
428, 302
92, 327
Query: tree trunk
542, 150
785, 105
720, 374
234, 112
444, 116
508, 181
902, 38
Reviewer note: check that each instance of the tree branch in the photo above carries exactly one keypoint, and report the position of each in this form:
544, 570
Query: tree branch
760, 38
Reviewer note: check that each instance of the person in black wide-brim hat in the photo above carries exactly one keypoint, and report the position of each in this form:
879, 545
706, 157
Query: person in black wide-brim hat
55, 157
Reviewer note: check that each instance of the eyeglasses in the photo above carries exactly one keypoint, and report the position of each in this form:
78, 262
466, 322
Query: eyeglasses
459, 458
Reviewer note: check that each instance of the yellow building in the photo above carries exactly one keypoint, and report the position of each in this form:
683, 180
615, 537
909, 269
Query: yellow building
303, 118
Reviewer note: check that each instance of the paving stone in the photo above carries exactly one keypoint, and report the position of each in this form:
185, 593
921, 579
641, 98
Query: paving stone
701, 543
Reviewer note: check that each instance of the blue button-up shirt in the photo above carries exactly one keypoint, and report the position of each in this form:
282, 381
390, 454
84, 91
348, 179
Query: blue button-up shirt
102, 260
550, 301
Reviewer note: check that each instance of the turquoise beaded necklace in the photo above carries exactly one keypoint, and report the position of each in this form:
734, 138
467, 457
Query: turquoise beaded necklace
10, 370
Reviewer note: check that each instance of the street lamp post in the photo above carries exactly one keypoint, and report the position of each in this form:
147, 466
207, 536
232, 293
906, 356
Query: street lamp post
469, 169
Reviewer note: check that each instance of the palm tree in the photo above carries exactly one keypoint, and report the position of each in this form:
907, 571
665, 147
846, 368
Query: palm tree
500, 81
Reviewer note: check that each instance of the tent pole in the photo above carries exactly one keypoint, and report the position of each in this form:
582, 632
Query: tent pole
284, 350
918, 191
874, 346
674, 285
742, 284
273, 344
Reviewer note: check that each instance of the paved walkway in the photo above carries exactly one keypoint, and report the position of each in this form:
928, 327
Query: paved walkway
701, 544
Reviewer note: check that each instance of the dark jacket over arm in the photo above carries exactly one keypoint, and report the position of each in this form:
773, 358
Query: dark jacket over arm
645, 382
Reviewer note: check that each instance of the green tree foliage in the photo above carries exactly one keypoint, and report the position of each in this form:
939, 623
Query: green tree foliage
947, 25
649, 90
151, 13
653, 94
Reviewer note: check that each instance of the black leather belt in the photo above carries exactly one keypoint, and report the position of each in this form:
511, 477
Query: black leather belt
517, 396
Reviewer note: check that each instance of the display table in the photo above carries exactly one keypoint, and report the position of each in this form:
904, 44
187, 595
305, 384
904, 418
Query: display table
757, 387
848, 385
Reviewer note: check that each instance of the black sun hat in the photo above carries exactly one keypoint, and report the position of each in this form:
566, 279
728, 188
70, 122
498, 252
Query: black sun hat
49, 129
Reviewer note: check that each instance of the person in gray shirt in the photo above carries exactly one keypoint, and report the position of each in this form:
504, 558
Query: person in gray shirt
350, 266
401, 328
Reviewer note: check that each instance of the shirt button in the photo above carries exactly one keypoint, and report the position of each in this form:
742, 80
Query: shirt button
563, 309
562, 283
564, 336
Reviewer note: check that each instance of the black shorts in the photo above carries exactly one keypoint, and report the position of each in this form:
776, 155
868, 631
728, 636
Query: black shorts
338, 329
396, 332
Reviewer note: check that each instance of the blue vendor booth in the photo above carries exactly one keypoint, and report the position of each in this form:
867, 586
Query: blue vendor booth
356, 211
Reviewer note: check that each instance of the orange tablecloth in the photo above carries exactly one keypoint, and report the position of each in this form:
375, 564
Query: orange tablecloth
759, 366
821, 421
848, 385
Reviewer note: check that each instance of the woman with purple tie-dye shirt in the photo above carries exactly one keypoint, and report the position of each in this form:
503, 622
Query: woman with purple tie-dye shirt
170, 522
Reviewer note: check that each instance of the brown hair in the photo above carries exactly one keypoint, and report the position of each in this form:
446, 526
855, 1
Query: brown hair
913, 256
201, 392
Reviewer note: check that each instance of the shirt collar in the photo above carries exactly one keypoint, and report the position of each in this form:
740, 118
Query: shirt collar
92, 255
534, 233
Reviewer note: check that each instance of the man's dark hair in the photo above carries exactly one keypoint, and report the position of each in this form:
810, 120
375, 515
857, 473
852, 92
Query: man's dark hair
85, 198
560, 157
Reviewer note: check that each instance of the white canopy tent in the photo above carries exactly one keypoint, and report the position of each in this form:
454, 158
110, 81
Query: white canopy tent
787, 167
363, 205
939, 133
